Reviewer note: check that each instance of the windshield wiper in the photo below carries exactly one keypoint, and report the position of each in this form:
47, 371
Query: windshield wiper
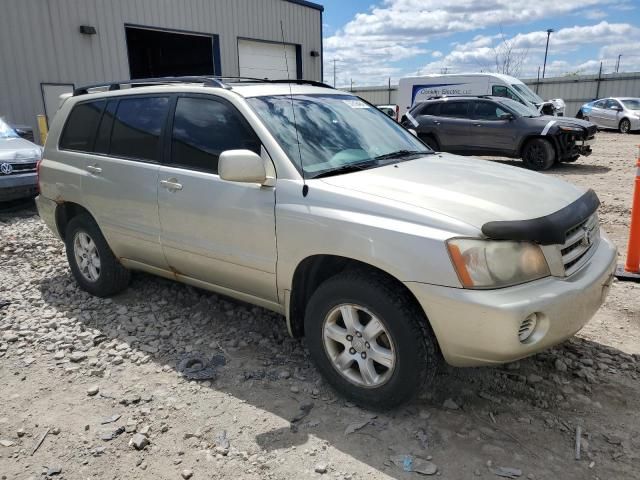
403, 153
353, 167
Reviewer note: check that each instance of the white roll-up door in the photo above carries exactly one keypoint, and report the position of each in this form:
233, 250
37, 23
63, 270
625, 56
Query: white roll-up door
266, 60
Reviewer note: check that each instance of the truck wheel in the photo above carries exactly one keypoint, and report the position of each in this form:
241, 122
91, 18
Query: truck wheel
430, 142
625, 126
93, 264
369, 339
538, 154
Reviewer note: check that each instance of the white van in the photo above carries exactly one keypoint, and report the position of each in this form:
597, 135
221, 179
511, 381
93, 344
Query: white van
414, 90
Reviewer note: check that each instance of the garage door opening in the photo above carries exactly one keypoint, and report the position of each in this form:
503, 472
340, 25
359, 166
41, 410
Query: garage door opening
159, 53
272, 60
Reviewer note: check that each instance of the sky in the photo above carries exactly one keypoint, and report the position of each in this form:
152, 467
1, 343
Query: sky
372, 41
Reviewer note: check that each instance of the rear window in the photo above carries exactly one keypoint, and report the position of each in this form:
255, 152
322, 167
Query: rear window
80, 130
430, 108
137, 127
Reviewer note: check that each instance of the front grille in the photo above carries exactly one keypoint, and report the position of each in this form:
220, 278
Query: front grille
19, 168
580, 241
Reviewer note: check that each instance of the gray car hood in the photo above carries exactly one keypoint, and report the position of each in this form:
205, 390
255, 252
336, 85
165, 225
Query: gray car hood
18, 150
467, 189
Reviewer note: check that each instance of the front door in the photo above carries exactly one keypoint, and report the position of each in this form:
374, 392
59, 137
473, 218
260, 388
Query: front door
490, 129
215, 231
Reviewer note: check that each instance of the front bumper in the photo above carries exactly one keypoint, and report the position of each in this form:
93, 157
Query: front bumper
480, 327
14, 187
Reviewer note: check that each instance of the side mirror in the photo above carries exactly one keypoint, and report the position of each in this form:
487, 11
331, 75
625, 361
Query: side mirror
506, 116
617, 108
242, 166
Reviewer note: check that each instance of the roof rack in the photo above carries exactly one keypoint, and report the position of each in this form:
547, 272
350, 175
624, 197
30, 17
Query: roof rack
207, 81
438, 97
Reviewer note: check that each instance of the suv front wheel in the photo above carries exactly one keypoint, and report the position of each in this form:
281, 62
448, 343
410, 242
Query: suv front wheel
538, 154
370, 340
92, 263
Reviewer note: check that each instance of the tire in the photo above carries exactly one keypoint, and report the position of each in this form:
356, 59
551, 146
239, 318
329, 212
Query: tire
103, 276
406, 335
431, 142
538, 154
624, 126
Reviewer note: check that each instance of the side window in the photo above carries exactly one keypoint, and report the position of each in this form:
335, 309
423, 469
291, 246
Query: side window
600, 104
489, 111
430, 108
137, 126
502, 91
612, 104
454, 109
80, 129
103, 136
203, 129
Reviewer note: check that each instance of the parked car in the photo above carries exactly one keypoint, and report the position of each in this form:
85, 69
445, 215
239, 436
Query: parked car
18, 160
413, 90
308, 201
621, 113
500, 126
390, 110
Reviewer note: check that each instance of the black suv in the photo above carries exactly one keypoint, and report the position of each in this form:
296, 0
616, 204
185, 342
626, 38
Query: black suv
499, 126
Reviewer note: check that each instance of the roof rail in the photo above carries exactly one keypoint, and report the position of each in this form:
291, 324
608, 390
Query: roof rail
142, 82
207, 81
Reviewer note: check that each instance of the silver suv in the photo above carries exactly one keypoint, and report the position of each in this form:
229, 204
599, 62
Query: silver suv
310, 202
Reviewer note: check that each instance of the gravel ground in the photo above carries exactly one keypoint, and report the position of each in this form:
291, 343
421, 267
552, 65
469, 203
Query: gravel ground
99, 380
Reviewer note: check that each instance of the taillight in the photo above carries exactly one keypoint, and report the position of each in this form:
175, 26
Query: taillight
38, 174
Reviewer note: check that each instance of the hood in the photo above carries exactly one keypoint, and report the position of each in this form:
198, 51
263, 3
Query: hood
467, 189
558, 121
17, 149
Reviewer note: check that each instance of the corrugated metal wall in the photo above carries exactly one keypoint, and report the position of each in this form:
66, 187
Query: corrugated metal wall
575, 91
40, 39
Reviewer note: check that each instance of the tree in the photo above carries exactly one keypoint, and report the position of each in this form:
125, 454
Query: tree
509, 59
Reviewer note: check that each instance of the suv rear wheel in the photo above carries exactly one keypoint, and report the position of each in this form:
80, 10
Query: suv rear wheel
370, 340
538, 154
93, 264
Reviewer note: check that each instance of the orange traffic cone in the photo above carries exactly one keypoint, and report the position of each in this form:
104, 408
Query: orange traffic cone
631, 269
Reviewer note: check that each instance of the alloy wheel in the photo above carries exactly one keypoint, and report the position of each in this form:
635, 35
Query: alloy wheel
86, 256
359, 345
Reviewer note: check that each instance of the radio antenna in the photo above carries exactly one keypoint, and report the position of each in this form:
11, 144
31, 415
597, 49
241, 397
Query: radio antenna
305, 187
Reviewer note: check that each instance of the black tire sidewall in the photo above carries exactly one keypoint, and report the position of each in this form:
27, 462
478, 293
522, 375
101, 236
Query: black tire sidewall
412, 358
620, 126
110, 280
549, 154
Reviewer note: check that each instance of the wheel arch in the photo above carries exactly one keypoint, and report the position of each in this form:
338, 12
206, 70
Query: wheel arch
550, 138
65, 211
312, 271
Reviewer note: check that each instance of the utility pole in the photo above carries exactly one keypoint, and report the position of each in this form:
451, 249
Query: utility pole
352, 84
546, 50
334, 73
538, 82
618, 63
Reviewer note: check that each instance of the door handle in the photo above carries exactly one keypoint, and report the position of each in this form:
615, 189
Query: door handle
436, 122
96, 170
477, 125
171, 184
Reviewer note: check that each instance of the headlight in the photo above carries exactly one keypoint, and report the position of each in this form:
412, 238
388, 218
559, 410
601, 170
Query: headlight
571, 129
493, 264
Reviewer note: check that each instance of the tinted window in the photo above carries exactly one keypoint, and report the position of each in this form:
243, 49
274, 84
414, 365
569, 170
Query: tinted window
81, 126
104, 130
203, 129
489, 111
430, 108
137, 126
454, 109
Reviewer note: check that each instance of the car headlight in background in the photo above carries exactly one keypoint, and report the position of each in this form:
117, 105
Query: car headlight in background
566, 128
493, 264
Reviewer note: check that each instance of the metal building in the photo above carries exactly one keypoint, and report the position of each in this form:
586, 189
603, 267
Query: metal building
49, 46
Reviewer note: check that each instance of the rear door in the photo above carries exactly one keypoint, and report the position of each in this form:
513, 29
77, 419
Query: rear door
490, 130
611, 113
453, 125
119, 183
215, 231
596, 114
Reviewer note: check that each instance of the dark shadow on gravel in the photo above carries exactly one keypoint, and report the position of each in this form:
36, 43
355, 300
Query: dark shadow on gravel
536, 401
17, 208
573, 168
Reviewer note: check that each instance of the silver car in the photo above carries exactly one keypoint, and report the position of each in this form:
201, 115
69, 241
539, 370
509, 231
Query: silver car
621, 113
386, 256
18, 163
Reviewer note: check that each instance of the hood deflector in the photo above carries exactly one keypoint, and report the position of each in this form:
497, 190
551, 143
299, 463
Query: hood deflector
547, 230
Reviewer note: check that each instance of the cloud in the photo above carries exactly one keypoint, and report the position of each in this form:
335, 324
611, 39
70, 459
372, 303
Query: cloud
396, 30
595, 14
436, 54
480, 53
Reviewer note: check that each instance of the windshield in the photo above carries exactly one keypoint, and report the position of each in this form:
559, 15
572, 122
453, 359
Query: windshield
527, 93
335, 132
632, 104
519, 109
6, 131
